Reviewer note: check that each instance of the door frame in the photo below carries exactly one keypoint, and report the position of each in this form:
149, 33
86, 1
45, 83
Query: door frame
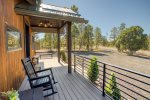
27, 38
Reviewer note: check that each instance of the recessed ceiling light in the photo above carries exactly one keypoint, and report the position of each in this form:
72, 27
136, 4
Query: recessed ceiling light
45, 25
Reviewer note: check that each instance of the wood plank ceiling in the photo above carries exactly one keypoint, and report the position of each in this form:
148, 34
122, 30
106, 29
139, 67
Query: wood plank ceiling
47, 18
47, 25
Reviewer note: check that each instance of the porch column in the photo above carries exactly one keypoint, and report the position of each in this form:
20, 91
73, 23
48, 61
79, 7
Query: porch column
69, 45
58, 44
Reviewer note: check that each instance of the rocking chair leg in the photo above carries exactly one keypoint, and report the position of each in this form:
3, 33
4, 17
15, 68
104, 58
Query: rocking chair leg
49, 88
51, 85
53, 76
50, 94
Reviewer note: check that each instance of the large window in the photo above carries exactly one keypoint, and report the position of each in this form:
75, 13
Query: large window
13, 40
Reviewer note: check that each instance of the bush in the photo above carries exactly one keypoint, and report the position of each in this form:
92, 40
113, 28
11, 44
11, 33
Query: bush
131, 39
93, 70
63, 56
10, 95
112, 89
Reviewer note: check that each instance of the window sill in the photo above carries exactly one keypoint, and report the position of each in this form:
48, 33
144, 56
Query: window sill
14, 50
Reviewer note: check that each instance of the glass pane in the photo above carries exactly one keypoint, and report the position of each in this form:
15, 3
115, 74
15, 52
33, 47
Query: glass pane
13, 39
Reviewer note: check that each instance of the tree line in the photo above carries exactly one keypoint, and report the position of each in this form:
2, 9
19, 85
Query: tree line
86, 37
125, 39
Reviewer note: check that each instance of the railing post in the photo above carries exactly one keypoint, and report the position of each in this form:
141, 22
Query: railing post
104, 79
74, 63
83, 66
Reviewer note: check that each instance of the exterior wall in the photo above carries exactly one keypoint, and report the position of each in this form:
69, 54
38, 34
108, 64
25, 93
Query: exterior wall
11, 70
1, 19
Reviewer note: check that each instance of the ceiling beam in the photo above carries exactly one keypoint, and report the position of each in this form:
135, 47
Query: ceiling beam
33, 2
63, 25
35, 26
45, 30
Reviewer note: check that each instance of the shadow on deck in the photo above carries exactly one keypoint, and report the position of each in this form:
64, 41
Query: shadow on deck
69, 86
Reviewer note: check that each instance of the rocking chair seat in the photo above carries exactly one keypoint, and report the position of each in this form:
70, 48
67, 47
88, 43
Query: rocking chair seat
43, 82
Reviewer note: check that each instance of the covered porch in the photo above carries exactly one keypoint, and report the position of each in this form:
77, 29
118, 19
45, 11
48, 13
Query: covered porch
55, 19
46, 18
70, 86
28, 17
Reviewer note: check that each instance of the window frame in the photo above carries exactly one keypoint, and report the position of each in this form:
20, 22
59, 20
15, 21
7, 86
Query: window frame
12, 28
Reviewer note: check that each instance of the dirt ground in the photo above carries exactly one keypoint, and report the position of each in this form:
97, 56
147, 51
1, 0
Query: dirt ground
110, 55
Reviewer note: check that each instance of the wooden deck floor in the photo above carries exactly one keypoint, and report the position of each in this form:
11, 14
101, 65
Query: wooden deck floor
69, 86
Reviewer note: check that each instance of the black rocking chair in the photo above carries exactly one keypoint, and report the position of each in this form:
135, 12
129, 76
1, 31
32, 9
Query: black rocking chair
36, 79
47, 71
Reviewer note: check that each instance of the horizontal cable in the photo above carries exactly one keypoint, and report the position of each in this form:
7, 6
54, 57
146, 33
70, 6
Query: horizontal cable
117, 93
137, 73
129, 77
128, 89
121, 90
130, 83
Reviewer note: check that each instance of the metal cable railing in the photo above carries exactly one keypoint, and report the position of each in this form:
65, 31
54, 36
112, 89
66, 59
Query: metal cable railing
131, 84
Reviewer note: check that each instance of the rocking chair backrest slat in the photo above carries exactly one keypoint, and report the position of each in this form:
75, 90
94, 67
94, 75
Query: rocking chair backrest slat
29, 68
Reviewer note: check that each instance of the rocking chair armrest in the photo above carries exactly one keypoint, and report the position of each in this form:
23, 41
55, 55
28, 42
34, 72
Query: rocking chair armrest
43, 70
39, 77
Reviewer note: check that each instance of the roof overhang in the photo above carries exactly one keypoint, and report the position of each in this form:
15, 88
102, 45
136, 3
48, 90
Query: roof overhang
26, 9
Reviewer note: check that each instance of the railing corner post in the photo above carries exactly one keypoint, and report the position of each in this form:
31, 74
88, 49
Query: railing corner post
104, 79
83, 66
74, 63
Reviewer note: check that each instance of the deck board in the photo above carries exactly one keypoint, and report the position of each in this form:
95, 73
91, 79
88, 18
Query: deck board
69, 86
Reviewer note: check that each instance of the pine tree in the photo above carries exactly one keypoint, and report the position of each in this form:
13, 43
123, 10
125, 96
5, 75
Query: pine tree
87, 37
48, 41
98, 37
74, 8
114, 33
75, 33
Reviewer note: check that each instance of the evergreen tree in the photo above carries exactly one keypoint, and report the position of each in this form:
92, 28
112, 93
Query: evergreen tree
74, 8
112, 89
74, 29
114, 33
121, 28
47, 41
104, 41
55, 39
87, 37
75, 33
81, 35
98, 37
149, 41
131, 39
93, 70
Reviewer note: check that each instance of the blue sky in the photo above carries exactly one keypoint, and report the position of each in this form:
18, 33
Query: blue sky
109, 13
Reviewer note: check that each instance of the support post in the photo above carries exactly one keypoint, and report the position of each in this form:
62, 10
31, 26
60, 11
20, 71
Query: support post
74, 63
104, 79
69, 46
83, 66
58, 44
